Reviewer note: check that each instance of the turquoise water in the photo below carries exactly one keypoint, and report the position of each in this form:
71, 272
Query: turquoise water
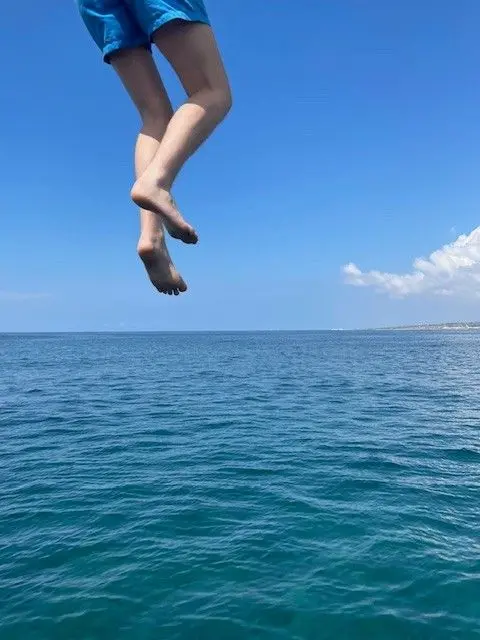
240, 486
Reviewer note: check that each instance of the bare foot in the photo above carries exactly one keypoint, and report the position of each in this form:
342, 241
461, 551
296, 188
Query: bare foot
150, 196
160, 268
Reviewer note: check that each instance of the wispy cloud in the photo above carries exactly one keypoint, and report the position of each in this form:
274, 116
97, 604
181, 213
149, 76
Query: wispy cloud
17, 296
452, 270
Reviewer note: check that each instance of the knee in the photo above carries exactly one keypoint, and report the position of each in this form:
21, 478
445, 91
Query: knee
221, 101
227, 100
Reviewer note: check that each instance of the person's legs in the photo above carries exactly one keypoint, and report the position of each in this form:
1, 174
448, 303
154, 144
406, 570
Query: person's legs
140, 77
193, 53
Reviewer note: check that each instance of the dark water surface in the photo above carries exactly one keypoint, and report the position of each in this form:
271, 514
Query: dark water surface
240, 486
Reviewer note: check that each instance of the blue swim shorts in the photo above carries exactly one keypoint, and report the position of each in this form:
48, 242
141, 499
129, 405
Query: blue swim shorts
124, 24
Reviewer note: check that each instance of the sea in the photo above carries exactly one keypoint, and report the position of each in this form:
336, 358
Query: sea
240, 486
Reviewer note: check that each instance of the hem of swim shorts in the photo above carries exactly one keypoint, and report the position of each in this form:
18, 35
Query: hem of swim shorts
178, 15
115, 47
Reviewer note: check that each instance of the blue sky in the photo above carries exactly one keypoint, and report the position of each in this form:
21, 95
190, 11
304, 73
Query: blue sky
354, 138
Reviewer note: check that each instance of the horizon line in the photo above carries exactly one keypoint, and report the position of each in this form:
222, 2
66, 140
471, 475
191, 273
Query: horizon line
412, 327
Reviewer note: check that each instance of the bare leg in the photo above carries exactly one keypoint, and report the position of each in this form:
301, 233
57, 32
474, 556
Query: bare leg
140, 77
193, 53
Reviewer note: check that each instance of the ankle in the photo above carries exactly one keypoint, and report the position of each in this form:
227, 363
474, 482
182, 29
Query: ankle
149, 241
151, 227
164, 180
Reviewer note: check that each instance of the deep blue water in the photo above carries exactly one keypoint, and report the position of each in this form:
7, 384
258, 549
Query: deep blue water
240, 486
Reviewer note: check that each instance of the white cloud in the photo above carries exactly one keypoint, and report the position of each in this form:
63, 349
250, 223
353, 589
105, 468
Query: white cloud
17, 296
454, 269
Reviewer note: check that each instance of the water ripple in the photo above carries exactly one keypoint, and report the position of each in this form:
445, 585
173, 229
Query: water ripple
269, 486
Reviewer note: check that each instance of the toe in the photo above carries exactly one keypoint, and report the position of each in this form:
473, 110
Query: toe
188, 235
193, 236
157, 286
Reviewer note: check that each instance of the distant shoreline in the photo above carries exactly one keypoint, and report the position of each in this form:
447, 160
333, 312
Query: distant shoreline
446, 326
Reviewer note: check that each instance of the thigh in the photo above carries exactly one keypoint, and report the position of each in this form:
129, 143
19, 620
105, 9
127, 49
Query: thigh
139, 75
191, 49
